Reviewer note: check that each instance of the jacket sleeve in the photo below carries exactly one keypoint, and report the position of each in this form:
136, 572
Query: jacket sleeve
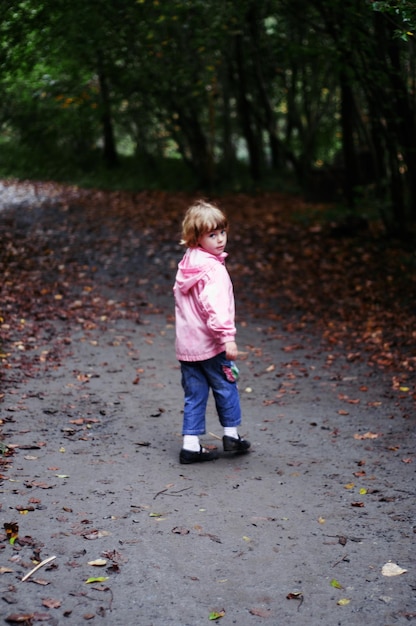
217, 301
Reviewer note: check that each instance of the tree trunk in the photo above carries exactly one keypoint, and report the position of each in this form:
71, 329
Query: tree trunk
201, 156
228, 151
245, 115
348, 149
109, 150
392, 105
267, 109
405, 119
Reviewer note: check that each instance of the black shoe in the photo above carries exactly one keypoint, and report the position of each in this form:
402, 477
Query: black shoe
235, 445
187, 456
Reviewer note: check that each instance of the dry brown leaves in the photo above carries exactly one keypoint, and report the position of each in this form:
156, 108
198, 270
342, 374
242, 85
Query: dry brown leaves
289, 267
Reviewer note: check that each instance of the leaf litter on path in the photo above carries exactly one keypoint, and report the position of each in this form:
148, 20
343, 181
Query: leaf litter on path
277, 282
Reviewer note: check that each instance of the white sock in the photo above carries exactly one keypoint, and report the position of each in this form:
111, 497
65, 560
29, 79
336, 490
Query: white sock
191, 443
231, 431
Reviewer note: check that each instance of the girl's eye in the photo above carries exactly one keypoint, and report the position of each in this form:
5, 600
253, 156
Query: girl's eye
216, 233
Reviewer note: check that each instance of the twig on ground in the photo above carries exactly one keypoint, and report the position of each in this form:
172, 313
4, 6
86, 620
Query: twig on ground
158, 493
174, 493
38, 566
344, 558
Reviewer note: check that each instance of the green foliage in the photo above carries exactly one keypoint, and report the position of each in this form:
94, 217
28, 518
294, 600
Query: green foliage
237, 95
133, 173
402, 14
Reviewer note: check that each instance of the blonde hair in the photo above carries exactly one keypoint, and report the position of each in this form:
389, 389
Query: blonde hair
201, 218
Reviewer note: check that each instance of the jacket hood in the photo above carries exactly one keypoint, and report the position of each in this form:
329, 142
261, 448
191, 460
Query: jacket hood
195, 264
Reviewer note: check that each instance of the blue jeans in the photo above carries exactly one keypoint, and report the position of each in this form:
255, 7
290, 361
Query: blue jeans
198, 377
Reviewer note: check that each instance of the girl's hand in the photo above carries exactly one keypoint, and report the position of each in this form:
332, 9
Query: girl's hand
231, 350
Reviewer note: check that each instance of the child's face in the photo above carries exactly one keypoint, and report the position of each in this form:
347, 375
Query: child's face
214, 241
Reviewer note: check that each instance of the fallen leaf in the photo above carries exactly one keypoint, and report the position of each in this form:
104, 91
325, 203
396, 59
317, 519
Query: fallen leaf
96, 534
343, 601
291, 348
115, 556
336, 584
260, 612
50, 603
296, 595
368, 435
12, 531
20, 618
20, 508
216, 614
41, 581
180, 530
41, 485
96, 579
392, 569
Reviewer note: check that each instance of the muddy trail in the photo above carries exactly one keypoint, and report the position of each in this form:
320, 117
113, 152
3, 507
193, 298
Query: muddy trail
314, 526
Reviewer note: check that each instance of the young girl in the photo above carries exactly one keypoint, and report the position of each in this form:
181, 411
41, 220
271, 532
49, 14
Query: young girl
205, 332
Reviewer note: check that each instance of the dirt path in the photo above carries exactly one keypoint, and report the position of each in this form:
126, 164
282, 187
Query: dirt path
296, 532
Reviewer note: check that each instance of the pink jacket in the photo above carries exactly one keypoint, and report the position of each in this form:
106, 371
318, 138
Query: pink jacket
204, 306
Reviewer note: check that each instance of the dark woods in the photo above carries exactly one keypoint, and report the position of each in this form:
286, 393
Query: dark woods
246, 95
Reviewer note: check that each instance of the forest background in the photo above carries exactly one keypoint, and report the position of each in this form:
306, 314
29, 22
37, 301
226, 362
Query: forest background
216, 95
